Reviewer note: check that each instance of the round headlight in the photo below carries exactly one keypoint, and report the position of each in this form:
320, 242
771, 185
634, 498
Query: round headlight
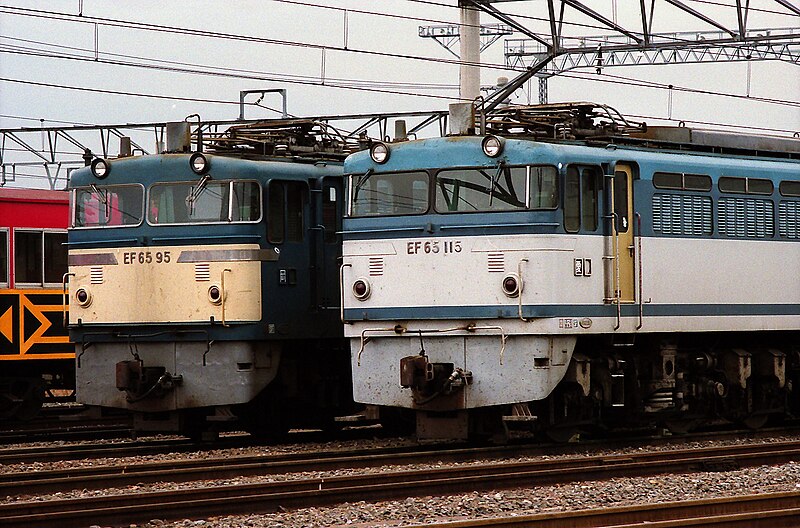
214, 294
100, 168
361, 289
83, 297
199, 163
379, 152
512, 285
492, 146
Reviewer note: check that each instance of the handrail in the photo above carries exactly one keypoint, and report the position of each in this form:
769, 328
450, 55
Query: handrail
483, 226
222, 287
616, 279
402, 330
65, 297
521, 288
639, 261
341, 293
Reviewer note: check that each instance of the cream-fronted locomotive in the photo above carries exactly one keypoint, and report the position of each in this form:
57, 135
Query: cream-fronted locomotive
566, 270
202, 285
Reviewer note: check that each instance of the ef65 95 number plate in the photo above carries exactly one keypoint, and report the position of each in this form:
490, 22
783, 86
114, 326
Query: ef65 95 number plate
145, 257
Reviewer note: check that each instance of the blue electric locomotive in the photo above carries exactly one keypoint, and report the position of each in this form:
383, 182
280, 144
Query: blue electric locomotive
203, 286
568, 269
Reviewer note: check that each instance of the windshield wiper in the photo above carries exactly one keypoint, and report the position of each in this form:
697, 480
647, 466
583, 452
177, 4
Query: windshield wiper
495, 179
196, 191
102, 197
363, 179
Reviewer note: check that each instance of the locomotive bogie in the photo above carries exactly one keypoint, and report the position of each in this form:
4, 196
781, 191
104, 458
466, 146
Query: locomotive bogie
218, 283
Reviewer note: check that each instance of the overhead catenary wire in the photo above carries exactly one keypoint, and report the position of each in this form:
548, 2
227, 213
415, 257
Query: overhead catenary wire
372, 86
360, 84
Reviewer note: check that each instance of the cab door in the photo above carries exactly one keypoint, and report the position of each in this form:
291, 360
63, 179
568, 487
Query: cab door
622, 232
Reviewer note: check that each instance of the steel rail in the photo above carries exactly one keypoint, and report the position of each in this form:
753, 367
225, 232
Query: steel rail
769, 510
319, 491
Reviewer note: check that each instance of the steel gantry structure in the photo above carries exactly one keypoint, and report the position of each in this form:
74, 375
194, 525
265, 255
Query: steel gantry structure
58, 150
545, 54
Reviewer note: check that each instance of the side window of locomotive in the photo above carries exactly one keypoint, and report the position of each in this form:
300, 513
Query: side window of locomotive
790, 188
572, 189
295, 205
485, 189
109, 206
680, 181
330, 213
544, 187
621, 201
745, 185
3, 258
590, 180
287, 203
277, 212
402, 193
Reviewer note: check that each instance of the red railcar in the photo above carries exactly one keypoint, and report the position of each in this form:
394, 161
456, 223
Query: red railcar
36, 357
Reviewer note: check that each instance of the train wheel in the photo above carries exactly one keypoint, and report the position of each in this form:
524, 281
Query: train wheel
397, 421
561, 435
755, 421
267, 416
23, 401
681, 426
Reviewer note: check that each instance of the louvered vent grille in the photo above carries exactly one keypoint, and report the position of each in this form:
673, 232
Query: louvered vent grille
202, 272
676, 214
496, 262
375, 266
96, 275
789, 219
746, 217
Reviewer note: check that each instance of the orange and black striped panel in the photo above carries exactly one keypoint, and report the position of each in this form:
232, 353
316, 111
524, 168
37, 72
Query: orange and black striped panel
31, 325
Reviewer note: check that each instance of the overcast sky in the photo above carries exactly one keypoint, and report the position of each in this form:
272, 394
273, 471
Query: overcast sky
390, 66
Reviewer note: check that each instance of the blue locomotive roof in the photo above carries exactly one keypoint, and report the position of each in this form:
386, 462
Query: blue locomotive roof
465, 151
175, 167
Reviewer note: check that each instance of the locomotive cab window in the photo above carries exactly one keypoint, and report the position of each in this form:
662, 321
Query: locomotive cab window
544, 187
246, 202
108, 206
204, 202
581, 186
387, 194
485, 189
40, 257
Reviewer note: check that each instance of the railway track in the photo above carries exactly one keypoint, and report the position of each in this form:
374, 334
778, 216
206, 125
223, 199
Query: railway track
98, 477
770, 510
384, 485
161, 446
67, 423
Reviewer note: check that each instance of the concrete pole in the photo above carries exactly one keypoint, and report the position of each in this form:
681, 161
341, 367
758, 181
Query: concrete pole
470, 43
